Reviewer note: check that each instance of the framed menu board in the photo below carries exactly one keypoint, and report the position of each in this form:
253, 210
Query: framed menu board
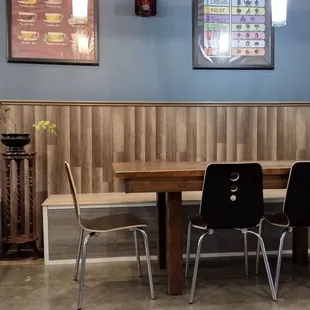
47, 31
232, 34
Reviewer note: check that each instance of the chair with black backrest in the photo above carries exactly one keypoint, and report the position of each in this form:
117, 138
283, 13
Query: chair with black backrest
296, 210
106, 224
232, 198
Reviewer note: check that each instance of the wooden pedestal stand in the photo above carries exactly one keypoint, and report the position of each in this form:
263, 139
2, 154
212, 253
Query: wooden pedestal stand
19, 231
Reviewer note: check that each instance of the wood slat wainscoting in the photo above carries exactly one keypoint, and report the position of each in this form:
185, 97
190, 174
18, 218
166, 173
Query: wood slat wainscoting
93, 136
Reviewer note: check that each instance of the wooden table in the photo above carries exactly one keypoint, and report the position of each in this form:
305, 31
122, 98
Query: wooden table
169, 180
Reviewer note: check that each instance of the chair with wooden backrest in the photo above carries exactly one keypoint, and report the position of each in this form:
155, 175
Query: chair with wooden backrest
232, 198
296, 210
104, 225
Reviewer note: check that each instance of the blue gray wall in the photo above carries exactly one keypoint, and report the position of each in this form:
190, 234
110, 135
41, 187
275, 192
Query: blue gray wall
150, 59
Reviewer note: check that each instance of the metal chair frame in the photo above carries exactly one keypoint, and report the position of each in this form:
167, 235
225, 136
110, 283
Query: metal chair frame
288, 228
207, 231
84, 240
280, 254
199, 243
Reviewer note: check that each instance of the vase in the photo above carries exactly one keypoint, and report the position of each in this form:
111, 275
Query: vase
15, 142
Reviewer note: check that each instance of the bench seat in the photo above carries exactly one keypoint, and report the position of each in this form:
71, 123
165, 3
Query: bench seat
111, 203
274, 195
137, 198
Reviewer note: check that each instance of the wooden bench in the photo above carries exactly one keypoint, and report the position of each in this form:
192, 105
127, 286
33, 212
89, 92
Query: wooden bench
119, 200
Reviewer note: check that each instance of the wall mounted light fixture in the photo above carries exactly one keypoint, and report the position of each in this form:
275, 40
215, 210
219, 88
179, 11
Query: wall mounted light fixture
279, 13
80, 9
145, 8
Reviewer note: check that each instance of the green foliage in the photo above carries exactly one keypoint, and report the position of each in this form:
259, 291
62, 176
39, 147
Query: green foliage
41, 125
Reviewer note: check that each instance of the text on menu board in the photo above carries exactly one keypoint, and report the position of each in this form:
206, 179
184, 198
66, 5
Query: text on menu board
49, 31
234, 28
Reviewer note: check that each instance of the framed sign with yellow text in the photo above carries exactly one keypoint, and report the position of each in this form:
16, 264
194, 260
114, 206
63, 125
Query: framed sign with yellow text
53, 31
232, 34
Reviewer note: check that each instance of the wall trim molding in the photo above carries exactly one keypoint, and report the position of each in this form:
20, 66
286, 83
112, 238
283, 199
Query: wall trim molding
154, 257
157, 103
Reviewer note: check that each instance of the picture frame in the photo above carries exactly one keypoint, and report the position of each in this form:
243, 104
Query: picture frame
232, 34
47, 32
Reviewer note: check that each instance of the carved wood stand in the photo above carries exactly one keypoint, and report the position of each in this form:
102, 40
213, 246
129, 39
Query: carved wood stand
22, 230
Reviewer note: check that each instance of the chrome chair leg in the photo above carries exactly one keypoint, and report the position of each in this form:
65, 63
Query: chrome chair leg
246, 258
81, 286
137, 252
262, 246
279, 261
188, 247
148, 261
78, 256
260, 230
191, 295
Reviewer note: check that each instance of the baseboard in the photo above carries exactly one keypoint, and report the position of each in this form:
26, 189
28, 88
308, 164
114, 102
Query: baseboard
154, 257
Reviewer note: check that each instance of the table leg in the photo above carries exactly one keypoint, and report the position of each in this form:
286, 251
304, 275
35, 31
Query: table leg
300, 245
174, 243
161, 238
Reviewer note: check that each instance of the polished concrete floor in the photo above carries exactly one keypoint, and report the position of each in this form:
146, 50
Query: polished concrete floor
221, 285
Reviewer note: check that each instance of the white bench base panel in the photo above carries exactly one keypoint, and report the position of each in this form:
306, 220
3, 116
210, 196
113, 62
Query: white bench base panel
49, 261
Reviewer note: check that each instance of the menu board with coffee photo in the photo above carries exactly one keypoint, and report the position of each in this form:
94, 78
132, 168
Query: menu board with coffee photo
53, 31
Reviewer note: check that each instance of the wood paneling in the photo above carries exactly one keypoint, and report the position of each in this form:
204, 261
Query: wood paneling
93, 136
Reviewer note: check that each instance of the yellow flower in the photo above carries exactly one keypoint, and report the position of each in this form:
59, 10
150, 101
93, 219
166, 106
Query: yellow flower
45, 125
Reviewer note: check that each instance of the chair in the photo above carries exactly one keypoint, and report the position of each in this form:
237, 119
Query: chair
232, 198
296, 210
104, 225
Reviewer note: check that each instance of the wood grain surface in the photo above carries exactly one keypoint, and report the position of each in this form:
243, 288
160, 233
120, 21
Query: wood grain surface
160, 169
93, 136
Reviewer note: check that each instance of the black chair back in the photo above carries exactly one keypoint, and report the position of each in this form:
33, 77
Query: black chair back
232, 195
297, 201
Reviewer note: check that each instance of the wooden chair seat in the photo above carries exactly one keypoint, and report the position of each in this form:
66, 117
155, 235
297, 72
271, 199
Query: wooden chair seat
113, 223
274, 194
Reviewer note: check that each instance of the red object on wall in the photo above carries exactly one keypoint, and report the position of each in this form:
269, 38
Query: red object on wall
145, 8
